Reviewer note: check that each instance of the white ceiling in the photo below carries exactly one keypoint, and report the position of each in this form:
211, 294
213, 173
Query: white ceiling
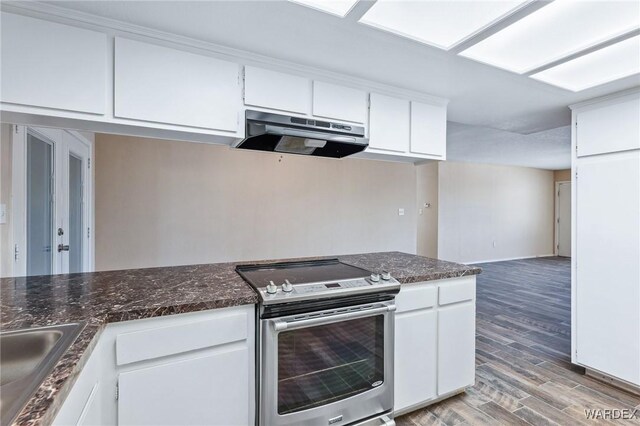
549, 149
479, 94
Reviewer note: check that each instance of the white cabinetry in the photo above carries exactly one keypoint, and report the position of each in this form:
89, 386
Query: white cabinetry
416, 346
429, 129
51, 65
275, 90
404, 128
209, 390
435, 341
188, 369
608, 128
606, 237
83, 404
159, 84
339, 102
456, 347
389, 123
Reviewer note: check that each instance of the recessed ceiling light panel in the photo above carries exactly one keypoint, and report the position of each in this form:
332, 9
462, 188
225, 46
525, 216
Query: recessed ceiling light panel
554, 31
602, 66
335, 7
442, 24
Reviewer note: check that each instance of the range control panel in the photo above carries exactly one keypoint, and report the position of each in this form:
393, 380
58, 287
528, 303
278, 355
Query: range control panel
315, 288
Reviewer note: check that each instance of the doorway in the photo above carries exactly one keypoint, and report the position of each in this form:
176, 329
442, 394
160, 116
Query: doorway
563, 219
51, 207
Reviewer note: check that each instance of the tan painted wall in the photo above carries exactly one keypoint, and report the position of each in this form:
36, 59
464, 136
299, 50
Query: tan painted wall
480, 204
427, 193
562, 175
5, 198
171, 203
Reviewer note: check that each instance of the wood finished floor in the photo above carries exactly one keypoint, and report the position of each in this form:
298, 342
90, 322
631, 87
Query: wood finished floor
523, 344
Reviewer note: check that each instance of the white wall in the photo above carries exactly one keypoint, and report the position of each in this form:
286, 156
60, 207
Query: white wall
171, 203
489, 212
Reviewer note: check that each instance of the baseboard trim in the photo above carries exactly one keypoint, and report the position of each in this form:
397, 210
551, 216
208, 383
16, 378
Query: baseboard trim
509, 258
613, 381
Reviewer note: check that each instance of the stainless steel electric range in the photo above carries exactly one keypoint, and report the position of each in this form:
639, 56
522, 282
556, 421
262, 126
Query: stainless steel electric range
325, 343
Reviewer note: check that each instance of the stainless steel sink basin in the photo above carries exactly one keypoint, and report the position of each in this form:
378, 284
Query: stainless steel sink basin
26, 357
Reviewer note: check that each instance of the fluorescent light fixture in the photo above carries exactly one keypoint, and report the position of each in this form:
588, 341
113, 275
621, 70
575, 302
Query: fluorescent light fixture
335, 7
442, 24
602, 66
554, 31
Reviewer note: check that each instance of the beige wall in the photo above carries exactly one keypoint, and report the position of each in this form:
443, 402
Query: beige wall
562, 175
5, 198
489, 212
171, 203
427, 193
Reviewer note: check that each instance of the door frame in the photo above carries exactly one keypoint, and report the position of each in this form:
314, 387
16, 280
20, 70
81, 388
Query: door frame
556, 234
58, 137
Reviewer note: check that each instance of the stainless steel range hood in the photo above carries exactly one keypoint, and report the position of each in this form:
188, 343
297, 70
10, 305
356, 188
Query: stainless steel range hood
297, 135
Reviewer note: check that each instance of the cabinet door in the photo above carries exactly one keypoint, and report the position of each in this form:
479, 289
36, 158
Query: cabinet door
276, 90
610, 128
389, 123
429, 129
339, 102
415, 358
158, 84
46, 64
607, 267
211, 390
456, 347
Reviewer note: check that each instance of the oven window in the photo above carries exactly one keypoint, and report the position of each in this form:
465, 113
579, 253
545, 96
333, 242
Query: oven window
323, 364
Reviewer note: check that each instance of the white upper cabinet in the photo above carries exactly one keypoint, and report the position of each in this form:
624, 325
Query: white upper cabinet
609, 128
339, 102
46, 64
389, 123
429, 129
159, 84
275, 90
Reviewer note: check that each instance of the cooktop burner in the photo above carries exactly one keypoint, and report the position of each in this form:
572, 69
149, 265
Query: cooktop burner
295, 281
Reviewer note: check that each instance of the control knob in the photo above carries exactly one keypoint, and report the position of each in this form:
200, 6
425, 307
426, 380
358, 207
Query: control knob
287, 286
272, 288
386, 275
374, 277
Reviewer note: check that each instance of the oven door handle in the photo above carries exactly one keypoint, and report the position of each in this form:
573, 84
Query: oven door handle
293, 324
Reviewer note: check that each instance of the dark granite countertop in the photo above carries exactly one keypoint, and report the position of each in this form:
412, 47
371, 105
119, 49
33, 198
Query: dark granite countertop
102, 297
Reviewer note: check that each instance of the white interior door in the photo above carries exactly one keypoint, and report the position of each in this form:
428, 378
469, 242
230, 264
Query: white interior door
563, 219
74, 240
51, 208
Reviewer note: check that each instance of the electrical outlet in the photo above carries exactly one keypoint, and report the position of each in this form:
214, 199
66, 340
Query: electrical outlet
400, 212
419, 211
3, 213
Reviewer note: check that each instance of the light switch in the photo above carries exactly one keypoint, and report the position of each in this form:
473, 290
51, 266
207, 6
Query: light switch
3, 213
400, 212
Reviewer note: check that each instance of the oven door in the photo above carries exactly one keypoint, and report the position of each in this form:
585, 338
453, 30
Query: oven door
328, 367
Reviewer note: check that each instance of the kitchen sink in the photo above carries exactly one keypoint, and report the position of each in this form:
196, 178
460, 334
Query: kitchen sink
26, 357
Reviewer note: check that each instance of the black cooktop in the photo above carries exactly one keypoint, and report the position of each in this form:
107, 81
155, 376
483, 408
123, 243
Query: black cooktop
303, 272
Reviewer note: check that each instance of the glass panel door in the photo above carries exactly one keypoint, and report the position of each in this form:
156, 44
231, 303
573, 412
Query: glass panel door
39, 194
76, 225
323, 364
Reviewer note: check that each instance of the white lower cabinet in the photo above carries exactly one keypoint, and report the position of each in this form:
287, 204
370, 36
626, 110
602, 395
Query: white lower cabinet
456, 347
192, 369
434, 341
415, 363
210, 390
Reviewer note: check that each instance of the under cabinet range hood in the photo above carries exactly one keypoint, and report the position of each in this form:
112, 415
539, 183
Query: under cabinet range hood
298, 135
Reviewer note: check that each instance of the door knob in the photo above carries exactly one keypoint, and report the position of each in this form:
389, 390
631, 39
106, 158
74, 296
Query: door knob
62, 247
